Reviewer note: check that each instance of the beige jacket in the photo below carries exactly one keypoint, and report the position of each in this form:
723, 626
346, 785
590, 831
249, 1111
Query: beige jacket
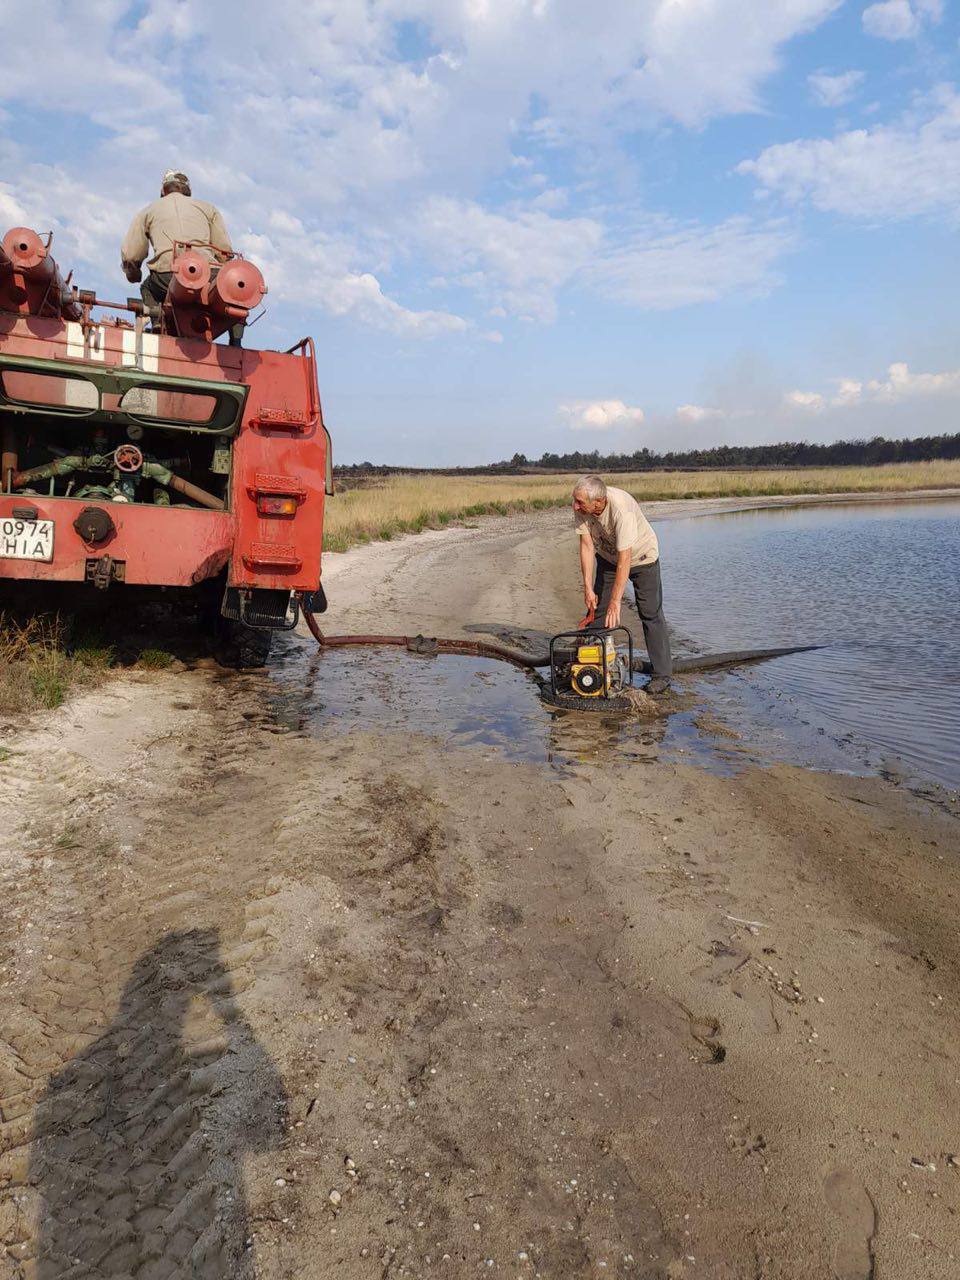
173, 217
621, 524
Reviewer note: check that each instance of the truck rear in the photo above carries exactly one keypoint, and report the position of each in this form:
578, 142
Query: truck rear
140, 455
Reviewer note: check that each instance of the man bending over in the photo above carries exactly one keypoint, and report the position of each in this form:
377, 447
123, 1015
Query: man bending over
617, 544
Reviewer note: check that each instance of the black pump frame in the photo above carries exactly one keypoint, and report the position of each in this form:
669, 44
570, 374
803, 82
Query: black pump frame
583, 637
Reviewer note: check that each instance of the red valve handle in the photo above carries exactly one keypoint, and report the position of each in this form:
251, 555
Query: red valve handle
128, 457
585, 621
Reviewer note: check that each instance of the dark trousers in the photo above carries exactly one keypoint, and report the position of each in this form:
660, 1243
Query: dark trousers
153, 291
648, 591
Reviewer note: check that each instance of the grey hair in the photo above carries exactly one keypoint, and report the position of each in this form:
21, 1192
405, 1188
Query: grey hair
592, 487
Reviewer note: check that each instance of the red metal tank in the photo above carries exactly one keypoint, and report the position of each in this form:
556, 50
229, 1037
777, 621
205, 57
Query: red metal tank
238, 286
28, 253
205, 299
30, 280
191, 275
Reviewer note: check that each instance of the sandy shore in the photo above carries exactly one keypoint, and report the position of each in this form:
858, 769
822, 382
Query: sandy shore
516, 569
338, 1003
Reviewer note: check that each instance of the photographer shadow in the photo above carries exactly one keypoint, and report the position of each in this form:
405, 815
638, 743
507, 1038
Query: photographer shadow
138, 1157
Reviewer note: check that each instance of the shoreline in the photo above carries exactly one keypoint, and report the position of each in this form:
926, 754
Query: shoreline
664, 509
515, 562
439, 518
598, 1016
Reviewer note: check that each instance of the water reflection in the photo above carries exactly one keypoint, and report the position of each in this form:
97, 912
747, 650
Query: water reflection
877, 585
465, 702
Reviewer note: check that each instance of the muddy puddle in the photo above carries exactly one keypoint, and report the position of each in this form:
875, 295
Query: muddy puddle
472, 702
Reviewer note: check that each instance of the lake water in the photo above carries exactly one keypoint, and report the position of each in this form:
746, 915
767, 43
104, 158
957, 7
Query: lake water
878, 586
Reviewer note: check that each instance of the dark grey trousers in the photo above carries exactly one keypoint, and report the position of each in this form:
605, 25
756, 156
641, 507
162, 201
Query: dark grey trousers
153, 291
648, 591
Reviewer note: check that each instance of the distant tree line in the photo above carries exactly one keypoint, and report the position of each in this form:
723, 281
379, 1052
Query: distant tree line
797, 453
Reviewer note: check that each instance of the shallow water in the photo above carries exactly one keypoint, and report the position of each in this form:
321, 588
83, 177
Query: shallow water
878, 586
466, 702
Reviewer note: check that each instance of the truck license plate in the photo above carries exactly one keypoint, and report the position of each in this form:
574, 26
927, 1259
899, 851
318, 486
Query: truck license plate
26, 539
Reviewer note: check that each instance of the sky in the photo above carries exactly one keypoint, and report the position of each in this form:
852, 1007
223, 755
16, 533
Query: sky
529, 225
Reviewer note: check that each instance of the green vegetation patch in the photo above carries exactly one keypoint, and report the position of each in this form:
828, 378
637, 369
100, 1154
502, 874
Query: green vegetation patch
154, 659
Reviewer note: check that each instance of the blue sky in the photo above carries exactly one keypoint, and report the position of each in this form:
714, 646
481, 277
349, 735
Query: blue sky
519, 225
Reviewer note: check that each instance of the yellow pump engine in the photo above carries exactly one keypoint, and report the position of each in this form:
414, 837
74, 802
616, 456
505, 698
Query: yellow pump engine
595, 670
590, 670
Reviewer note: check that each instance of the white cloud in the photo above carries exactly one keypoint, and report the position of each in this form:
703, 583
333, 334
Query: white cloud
697, 413
899, 386
668, 264
892, 171
900, 19
702, 58
87, 225
309, 268
302, 267
516, 260
328, 123
849, 392
834, 90
809, 401
601, 415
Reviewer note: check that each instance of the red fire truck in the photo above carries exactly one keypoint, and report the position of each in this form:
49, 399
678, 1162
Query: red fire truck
139, 452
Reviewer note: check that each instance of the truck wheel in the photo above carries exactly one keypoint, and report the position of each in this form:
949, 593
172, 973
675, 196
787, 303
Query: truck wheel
241, 646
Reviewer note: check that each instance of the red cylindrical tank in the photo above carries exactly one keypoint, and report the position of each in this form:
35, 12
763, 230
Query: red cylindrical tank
191, 275
35, 285
28, 254
238, 287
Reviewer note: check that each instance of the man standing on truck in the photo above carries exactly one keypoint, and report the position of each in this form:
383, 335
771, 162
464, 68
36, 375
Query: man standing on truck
175, 216
617, 544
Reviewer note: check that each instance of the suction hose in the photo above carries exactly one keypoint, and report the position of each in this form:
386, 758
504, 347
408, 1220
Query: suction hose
530, 662
428, 646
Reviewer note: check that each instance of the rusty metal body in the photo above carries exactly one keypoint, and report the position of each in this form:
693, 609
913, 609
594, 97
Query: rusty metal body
76, 385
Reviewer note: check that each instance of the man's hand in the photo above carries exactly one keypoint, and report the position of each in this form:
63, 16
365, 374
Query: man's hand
132, 272
590, 598
613, 614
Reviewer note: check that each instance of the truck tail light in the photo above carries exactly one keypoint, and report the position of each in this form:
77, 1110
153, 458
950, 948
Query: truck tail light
272, 505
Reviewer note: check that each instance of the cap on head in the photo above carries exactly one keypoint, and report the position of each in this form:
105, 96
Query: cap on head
175, 180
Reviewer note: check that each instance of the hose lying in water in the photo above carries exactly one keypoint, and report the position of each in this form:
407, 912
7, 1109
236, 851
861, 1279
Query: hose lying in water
530, 661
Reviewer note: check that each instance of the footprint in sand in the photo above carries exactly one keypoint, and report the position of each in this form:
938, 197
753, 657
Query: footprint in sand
856, 1222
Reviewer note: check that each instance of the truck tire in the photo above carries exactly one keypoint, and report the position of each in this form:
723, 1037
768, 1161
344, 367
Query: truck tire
241, 646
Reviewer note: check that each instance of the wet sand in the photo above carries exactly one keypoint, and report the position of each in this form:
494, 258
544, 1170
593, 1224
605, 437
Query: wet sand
620, 1018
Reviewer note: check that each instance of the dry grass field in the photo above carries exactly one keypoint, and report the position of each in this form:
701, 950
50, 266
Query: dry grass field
410, 503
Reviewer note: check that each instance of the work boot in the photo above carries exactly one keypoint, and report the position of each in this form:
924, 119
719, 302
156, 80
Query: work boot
657, 685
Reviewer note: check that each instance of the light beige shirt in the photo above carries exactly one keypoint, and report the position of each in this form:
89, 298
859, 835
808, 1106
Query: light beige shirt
173, 217
620, 525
